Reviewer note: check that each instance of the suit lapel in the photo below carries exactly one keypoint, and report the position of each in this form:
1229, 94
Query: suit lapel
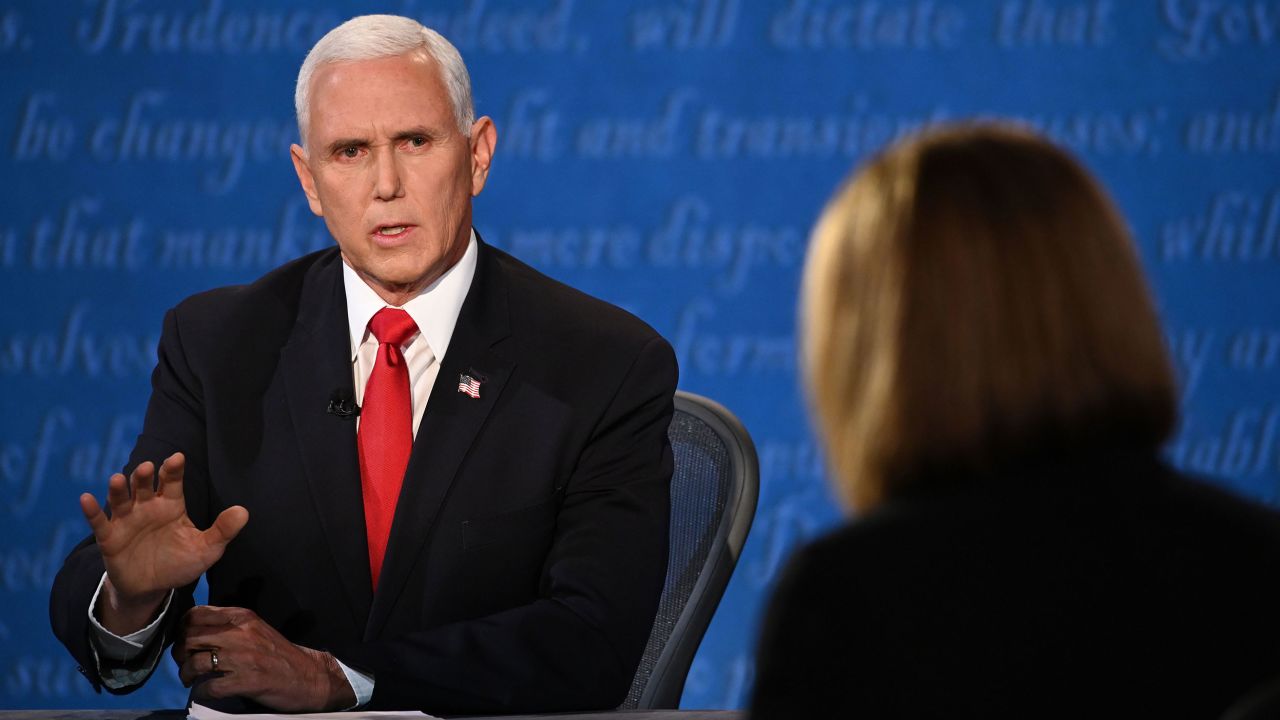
449, 427
317, 366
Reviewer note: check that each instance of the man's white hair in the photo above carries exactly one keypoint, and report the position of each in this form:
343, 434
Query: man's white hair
370, 37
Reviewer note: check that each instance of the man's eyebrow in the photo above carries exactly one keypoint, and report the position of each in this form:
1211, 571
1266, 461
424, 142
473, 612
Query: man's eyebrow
419, 131
416, 131
340, 143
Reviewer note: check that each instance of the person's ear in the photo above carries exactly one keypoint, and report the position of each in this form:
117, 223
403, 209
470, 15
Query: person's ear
305, 178
484, 138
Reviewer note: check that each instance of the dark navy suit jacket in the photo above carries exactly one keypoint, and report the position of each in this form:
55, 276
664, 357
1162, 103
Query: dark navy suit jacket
1105, 585
529, 544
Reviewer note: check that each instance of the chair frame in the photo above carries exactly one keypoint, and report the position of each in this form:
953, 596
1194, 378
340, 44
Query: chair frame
666, 682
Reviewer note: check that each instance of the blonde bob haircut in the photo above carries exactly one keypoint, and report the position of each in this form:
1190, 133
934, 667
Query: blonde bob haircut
972, 301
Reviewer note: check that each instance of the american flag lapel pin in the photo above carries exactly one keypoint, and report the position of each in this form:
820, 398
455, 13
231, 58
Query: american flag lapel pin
469, 385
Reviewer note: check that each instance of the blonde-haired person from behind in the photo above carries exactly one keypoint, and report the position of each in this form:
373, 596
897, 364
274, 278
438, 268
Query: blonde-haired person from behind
991, 384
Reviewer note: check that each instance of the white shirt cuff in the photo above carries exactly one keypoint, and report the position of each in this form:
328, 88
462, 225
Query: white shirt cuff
107, 645
361, 684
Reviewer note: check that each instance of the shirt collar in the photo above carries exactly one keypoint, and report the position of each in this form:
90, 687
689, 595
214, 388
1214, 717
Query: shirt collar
435, 309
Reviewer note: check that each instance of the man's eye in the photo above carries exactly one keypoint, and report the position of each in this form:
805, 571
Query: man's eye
350, 151
418, 141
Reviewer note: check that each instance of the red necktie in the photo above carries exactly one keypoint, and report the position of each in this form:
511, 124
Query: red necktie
386, 430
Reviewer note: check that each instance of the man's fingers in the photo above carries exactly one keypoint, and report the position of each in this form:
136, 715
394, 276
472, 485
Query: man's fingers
212, 616
186, 673
220, 686
171, 472
93, 514
199, 662
179, 652
118, 498
205, 615
183, 652
143, 481
229, 524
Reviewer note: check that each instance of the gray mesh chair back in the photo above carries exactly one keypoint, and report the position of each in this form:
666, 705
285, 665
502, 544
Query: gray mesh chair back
713, 500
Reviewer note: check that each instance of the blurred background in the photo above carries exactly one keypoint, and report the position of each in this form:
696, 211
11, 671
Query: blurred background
669, 156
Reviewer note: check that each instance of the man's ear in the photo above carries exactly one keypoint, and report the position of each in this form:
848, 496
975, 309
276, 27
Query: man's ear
308, 181
484, 138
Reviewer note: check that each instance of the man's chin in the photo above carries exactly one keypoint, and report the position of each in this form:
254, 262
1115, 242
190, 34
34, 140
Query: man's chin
399, 285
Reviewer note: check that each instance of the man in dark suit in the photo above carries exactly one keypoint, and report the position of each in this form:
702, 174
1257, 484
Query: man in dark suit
417, 472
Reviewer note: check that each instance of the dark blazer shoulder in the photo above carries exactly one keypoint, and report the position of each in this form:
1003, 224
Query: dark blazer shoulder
1226, 536
546, 310
239, 325
1009, 588
274, 297
1196, 495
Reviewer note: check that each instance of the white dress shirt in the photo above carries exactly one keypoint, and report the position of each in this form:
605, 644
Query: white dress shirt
435, 311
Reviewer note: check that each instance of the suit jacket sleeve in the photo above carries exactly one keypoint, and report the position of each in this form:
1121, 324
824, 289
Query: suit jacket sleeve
578, 645
175, 402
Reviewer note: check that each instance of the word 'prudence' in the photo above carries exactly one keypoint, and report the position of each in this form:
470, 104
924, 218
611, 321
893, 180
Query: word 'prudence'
112, 25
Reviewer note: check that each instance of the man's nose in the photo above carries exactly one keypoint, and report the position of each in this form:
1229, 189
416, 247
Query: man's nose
387, 184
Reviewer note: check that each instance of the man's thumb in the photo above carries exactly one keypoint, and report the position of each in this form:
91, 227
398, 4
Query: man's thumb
229, 524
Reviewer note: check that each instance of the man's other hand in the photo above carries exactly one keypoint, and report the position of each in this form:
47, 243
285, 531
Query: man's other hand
256, 662
148, 544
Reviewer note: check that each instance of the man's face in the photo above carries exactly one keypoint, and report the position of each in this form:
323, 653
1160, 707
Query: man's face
390, 173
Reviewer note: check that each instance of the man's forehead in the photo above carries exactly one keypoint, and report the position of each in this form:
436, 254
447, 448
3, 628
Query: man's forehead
329, 71
364, 89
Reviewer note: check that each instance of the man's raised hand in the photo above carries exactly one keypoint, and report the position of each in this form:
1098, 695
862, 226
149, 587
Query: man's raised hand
149, 545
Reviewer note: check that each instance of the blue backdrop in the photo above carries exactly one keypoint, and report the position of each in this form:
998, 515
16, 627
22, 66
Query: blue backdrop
666, 155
